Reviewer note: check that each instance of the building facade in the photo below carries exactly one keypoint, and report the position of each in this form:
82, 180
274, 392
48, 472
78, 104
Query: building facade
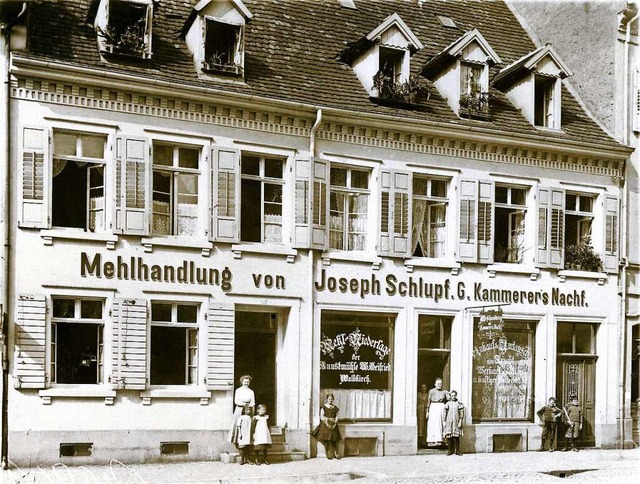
328, 196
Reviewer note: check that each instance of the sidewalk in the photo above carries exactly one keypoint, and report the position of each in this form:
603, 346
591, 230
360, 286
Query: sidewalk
619, 466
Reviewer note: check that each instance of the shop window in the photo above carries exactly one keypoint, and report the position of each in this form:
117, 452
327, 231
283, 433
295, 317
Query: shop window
348, 208
174, 344
503, 372
222, 47
577, 338
175, 190
77, 341
356, 363
434, 349
429, 232
511, 208
78, 188
262, 184
544, 102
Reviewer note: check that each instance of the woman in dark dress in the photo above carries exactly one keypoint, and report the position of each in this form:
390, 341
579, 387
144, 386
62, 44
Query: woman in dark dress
329, 434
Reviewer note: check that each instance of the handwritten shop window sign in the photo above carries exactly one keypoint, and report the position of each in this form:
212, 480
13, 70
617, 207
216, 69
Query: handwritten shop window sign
502, 368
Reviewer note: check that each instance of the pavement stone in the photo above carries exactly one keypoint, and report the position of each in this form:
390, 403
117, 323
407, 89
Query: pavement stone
591, 466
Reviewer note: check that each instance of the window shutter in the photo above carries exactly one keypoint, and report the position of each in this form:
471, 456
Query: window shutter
395, 211
611, 235
129, 340
33, 205
220, 346
542, 246
302, 204
30, 340
485, 221
225, 183
319, 204
467, 225
556, 229
133, 200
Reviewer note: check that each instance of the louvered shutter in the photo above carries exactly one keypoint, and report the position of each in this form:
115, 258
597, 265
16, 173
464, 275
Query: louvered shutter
302, 204
129, 351
467, 220
556, 229
485, 221
30, 342
544, 207
225, 183
386, 212
611, 235
133, 186
220, 346
33, 206
395, 211
319, 204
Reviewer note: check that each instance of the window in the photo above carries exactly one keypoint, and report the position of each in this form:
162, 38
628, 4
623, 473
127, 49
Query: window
222, 47
434, 349
78, 191
471, 79
356, 363
503, 372
544, 109
175, 190
128, 28
511, 207
429, 233
390, 63
77, 341
577, 338
578, 218
174, 344
348, 208
262, 183
474, 96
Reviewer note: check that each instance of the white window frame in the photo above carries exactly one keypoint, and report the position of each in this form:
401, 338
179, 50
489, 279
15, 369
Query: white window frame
349, 191
238, 56
550, 101
432, 201
587, 218
148, 25
514, 211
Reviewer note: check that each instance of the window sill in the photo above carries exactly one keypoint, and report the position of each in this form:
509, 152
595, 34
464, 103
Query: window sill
410, 264
78, 391
264, 249
50, 235
601, 277
513, 269
351, 256
176, 241
182, 392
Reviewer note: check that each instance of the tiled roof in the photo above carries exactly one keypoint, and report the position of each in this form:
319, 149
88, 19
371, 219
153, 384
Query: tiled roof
292, 52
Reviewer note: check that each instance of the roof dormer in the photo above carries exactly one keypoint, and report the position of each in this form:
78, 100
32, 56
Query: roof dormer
460, 72
381, 60
214, 33
533, 84
124, 27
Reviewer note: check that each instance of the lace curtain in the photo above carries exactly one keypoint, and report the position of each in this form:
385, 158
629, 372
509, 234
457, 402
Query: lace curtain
361, 403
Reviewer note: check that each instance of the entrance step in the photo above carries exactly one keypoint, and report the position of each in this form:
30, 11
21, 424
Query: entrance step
234, 457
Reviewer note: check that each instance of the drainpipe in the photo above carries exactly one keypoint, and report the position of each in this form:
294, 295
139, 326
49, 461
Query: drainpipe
311, 258
5, 213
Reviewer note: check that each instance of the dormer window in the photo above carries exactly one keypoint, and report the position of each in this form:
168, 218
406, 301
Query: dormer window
474, 95
544, 100
125, 27
222, 47
390, 62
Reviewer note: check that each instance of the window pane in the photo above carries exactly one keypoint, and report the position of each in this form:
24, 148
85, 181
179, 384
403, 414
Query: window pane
272, 193
168, 358
502, 194
359, 179
586, 204
250, 165
162, 155
77, 353
187, 313
188, 157
93, 146
584, 338
565, 338
434, 332
160, 312
570, 203
420, 186
63, 308
439, 188
64, 144
338, 177
518, 196
91, 309
273, 168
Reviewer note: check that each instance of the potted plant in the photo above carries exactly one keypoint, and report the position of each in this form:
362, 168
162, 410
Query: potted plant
125, 38
582, 257
218, 61
412, 91
475, 105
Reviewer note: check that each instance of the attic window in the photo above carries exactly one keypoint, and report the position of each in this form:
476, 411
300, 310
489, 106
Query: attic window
391, 63
446, 21
474, 96
222, 47
545, 101
128, 29
348, 4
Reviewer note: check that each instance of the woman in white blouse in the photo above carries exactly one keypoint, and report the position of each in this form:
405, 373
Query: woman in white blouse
243, 397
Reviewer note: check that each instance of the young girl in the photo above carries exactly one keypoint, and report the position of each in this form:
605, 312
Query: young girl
453, 415
243, 436
329, 434
261, 434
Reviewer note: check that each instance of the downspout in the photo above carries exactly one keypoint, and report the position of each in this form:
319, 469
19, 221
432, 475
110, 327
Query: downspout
5, 226
622, 337
311, 259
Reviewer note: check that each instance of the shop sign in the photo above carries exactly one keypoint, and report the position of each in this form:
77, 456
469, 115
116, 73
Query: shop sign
355, 358
490, 325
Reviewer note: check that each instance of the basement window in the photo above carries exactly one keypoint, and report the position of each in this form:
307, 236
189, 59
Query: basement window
76, 450
222, 47
174, 448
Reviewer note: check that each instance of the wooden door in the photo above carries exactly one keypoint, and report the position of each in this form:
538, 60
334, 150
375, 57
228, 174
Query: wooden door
578, 375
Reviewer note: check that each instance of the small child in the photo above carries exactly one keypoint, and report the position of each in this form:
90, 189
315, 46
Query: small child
328, 431
549, 415
573, 414
261, 434
243, 432
453, 417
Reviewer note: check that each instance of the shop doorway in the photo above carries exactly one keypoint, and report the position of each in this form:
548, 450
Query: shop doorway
576, 373
255, 355
434, 348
